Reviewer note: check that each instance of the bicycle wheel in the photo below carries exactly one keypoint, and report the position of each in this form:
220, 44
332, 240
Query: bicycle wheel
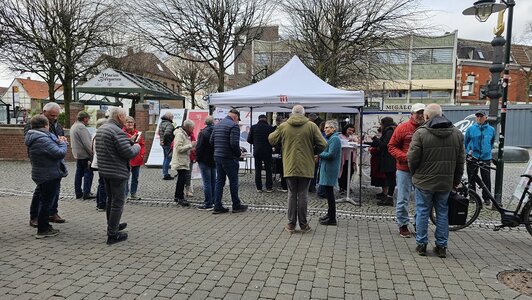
473, 210
527, 215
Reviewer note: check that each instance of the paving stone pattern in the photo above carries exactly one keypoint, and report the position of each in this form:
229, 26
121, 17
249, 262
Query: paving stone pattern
184, 253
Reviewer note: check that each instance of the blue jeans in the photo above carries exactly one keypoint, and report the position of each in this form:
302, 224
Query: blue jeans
226, 167
208, 174
424, 202
404, 188
135, 171
101, 194
48, 192
83, 171
166, 160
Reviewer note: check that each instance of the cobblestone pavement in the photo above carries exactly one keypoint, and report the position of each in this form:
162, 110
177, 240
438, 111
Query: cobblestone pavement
184, 253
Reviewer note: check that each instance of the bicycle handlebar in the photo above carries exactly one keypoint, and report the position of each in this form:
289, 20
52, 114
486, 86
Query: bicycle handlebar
475, 161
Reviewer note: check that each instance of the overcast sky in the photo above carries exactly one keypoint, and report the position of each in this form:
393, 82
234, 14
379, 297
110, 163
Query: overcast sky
446, 15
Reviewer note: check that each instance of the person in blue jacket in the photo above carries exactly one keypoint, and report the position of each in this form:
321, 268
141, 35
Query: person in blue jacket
330, 160
478, 142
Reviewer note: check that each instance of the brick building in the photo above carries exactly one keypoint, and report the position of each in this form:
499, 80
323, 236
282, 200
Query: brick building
472, 75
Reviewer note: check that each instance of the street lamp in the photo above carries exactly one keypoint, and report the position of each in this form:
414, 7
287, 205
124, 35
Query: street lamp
254, 76
482, 10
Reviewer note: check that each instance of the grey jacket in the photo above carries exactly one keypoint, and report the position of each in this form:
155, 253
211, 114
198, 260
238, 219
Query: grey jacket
80, 141
114, 150
46, 155
436, 155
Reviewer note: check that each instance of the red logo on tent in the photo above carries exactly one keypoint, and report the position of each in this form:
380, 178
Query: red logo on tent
283, 98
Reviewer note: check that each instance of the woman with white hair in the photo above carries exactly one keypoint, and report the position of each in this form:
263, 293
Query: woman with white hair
330, 160
181, 159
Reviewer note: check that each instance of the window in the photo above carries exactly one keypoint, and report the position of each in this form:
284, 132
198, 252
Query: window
468, 88
395, 57
419, 94
442, 56
530, 91
261, 59
421, 56
397, 94
440, 94
241, 69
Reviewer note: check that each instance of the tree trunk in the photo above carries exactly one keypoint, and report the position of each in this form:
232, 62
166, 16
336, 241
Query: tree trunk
67, 93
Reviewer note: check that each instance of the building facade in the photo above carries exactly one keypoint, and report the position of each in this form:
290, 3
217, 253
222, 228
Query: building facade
413, 69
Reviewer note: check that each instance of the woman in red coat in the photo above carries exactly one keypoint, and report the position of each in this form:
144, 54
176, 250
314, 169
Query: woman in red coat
136, 161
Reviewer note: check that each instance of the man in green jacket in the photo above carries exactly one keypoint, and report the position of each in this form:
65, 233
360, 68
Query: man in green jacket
301, 140
436, 160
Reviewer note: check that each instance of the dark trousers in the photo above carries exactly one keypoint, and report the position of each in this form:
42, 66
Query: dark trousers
279, 169
331, 202
390, 182
116, 197
226, 167
85, 174
484, 174
312, 186
48, 191
267, 160
179, 193
35, 202
342, 181
101, 194
297, 200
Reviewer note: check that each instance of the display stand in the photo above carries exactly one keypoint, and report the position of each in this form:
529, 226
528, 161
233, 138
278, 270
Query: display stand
347, 197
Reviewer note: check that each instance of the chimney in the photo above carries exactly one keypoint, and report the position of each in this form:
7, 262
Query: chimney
130, 51
29, 78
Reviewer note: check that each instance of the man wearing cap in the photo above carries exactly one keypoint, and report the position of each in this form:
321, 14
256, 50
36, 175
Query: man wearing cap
398, 148
478, 142
226, 141
262, 152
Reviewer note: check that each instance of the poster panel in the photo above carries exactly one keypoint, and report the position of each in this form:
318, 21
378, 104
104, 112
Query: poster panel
198, 117
156, 153
522, 182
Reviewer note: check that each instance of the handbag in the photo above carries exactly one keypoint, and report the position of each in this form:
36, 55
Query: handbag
458, 207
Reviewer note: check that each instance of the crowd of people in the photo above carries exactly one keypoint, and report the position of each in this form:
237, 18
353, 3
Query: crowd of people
424, 155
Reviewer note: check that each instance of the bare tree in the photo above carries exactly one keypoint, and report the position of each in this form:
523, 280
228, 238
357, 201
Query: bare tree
335, 38
56, 39
211, 29
27, 30
81, 34
193, 77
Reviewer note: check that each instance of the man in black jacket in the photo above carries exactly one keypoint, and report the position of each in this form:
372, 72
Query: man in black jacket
226, 141
205, 159
262, 152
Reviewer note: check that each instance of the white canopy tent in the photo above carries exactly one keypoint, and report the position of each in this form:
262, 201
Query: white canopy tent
293, 84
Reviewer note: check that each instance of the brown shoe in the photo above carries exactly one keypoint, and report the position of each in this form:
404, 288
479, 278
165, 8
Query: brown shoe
33, 223
305, 227
56, 219
290, 228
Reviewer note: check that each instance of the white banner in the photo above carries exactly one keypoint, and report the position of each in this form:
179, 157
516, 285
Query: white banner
156, 152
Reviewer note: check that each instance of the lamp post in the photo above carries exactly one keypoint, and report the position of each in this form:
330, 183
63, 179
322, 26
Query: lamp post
254, 76
482, 10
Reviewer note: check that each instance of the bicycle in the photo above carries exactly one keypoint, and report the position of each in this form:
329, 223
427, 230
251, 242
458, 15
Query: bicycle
509, 218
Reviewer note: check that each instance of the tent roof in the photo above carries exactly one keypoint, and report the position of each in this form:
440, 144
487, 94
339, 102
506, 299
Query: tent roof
293, 84
117, 83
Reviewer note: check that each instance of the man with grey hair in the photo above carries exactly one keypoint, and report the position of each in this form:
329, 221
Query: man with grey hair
114, 150
301, 140
436, 160
80, 139
205, 159
166, 135
51, 111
